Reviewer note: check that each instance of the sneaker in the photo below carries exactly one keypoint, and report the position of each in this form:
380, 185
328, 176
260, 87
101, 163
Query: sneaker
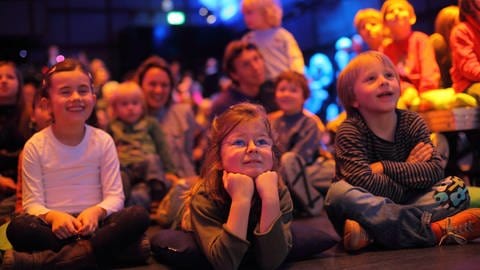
459, 228
354, 236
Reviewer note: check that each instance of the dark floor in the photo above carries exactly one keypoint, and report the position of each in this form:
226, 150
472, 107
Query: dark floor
453, 257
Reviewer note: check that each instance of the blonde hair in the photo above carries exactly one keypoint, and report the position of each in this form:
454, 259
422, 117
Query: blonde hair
386, 5
271, 9
128, 88
349, 75
446, 19
367, 14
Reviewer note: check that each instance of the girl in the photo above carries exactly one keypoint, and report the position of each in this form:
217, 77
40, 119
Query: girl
240, 209
11, 139
72, 191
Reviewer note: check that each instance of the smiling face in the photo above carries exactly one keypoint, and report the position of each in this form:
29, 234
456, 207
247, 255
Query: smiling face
376, 89
247, 149
71, 97
289, 97
157, 87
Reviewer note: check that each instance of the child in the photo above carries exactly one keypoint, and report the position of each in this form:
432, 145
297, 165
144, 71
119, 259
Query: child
72, 190
277, 46
299, 143
369, 25
40, 118
464, 40
11, 137
388, 187
410, 51
240, 209
144, 159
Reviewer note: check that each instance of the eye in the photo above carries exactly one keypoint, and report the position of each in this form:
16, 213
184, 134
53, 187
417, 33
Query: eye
239, 142
263, 142
389, 75
83, 90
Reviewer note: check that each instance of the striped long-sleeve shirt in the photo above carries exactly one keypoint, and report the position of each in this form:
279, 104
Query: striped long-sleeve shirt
357, 147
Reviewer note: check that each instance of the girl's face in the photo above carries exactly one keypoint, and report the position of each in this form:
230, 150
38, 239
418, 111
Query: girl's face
8, 85
254, 19
376, 89
371, 31
129, 108
71, 97
247, 149
289, 97
157, 87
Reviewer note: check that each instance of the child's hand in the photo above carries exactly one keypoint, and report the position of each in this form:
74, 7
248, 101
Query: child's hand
63, 225
420, 153
89, 218
7, 184
377, 167
267, 185
239, 186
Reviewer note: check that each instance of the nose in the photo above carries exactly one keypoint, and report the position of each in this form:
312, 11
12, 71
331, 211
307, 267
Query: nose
251, 147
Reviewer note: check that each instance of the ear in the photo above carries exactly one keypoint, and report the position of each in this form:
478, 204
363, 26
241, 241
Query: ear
413, 19
355, 104
44, 104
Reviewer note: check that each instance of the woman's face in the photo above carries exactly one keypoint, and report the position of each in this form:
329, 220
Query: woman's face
157, 87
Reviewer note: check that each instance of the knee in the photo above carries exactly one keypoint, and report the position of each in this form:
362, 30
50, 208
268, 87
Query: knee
139, 216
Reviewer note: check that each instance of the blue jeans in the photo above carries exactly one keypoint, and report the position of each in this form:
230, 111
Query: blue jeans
393, 225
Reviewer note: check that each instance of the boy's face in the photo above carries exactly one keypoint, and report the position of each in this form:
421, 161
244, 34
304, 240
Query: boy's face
41, 115
254, 19
129, 108
249, 68
247, 149
289, 97
376, 90
399, 20
71, 97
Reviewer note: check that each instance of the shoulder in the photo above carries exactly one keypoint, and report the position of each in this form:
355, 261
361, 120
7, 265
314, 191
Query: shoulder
274, 116
39, 138
352, 127
98, 136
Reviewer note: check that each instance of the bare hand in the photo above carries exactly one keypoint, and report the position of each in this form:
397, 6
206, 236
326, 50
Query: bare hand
7, 184
238, 186
89, 218
63, 225
267, 185
420, 153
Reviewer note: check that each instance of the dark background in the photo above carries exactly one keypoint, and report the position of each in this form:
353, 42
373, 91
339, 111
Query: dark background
124, 32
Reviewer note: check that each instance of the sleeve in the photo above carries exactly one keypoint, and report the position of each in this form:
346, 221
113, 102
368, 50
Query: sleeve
295, 55
32, 186
416, 175
429, 70
464, 58
273, 246
161, 145
307, 140
222, 248
112, 189
353, 164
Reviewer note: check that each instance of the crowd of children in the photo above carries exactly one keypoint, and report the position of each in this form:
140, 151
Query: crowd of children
232, 172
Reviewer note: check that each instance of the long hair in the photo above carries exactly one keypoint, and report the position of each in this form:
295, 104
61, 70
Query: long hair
155, 61
212, 172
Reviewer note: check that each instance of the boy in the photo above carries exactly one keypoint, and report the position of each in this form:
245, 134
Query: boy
388, 187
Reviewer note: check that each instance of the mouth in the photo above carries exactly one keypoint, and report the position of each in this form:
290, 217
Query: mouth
76, 108
385, 94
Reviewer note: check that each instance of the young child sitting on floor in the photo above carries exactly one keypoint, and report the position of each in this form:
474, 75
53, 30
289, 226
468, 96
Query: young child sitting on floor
72, 190
240, 210
389, 188
147, 170
299, 140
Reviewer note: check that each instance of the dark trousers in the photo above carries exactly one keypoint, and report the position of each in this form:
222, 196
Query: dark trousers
116, 232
